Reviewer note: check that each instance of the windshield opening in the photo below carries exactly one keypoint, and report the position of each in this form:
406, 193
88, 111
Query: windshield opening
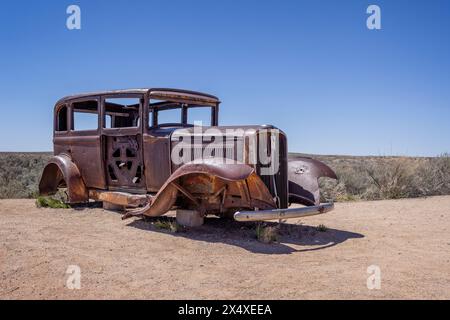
177, 114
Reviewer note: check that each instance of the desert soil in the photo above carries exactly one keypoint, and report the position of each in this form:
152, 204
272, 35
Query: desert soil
409, 240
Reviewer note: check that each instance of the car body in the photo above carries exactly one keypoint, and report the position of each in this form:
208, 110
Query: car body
119, 148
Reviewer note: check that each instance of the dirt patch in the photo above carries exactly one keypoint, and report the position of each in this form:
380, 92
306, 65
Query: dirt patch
409, 240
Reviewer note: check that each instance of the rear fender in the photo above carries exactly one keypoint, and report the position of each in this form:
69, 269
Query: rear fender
303, 180
60, 171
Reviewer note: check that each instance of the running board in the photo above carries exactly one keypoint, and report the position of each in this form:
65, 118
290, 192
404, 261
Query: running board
277, 214
119, 198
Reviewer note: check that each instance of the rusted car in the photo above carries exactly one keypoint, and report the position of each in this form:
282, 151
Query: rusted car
143, 151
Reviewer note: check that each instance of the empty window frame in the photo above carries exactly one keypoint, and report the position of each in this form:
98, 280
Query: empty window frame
61, 119
165, 113
85, 115
169, 117
199, 115
122, 113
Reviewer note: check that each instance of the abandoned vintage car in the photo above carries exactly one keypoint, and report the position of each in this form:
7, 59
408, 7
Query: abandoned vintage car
143, 151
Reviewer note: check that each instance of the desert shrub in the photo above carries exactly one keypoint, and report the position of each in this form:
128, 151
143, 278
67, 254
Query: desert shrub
20, 174
266, 234
364, 178
373, 178
50, 202
169, 225
392, 181
433, 176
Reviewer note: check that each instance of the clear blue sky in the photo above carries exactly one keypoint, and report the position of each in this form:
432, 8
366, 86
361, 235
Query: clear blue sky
312, 68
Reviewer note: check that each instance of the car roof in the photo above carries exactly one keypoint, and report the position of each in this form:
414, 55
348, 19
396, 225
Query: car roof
165, 93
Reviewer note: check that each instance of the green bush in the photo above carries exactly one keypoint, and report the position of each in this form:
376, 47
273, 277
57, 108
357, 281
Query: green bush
49, 202
170, 225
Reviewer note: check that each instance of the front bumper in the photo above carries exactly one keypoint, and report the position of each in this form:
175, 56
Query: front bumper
280, 214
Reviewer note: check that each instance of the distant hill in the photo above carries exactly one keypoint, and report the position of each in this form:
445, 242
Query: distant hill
384, 177
360, 177
20, 173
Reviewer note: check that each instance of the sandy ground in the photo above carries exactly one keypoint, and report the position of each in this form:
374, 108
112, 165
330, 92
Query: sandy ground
409, 240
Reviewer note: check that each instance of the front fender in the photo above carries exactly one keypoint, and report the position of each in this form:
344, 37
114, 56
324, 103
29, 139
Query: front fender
61, 171
303, 176
241, 176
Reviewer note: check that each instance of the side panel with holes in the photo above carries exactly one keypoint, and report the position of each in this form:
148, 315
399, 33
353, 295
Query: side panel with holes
124, 163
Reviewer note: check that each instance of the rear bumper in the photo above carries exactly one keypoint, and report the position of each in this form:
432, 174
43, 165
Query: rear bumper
277, 214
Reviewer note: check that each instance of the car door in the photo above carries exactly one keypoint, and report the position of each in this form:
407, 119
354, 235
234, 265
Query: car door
83, 142
122, 140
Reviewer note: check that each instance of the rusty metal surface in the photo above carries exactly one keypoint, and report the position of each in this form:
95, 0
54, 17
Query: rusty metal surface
129, 163
303, 180
210, 186
226, 171
124, 164
166, 93
118, 198
60, 171
241, 135
159, 149
85, 151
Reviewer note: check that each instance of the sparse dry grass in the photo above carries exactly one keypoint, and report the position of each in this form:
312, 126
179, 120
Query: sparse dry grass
169, 225
360, 178
266, 233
